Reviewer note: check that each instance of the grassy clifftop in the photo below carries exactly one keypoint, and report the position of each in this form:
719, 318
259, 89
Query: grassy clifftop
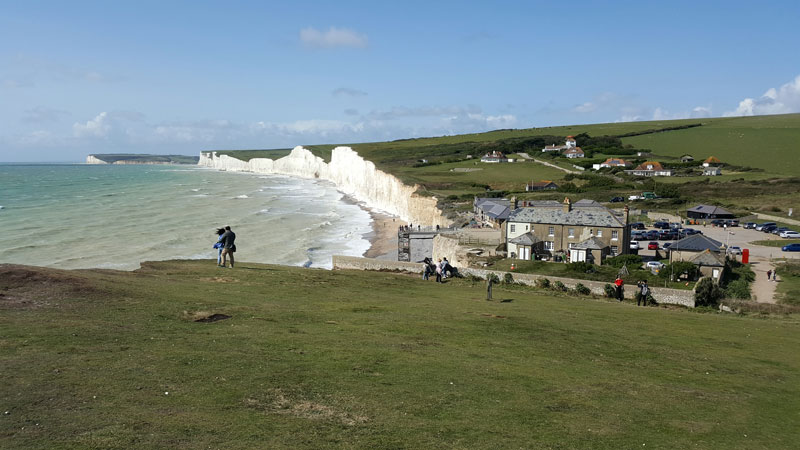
312, 358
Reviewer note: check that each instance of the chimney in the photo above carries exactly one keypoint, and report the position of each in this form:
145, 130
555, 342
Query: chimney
627, 213
567, 205
513, 203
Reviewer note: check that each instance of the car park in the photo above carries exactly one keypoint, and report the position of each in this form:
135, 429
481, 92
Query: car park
750, 225
760, 227
652, 245
734, 250
789, 234
791, 248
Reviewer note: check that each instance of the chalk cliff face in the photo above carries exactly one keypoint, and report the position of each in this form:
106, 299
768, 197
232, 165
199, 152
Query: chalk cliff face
92, 160
352, 175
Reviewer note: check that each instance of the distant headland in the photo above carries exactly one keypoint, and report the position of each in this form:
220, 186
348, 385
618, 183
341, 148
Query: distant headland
131, 158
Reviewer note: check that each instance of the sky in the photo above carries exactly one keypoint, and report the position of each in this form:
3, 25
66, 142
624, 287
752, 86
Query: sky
180, 77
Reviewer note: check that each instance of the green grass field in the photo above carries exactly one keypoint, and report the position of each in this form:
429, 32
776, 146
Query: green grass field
321, 359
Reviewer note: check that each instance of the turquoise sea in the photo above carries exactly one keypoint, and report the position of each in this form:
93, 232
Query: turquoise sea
115, 216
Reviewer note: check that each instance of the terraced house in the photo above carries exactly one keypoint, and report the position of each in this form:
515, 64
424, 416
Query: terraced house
583, 231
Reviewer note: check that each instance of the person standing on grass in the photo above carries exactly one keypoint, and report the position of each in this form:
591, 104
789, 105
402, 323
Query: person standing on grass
228, 246
439, 271
219, 244
618, 283
644, 291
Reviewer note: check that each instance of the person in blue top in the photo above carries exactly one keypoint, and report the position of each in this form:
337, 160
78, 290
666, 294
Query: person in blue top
219, 244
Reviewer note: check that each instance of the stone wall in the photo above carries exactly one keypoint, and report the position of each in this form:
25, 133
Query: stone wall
662, 295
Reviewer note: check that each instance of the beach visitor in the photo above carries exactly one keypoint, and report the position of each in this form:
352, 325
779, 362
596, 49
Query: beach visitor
644, 291
769, 274
439, 271
228, 246
445, 267
426, 268
774, 274
618, 287
219, 244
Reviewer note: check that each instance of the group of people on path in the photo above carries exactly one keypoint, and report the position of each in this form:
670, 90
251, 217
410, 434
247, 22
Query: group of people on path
226, 246
441, 269
772, 275
641, 297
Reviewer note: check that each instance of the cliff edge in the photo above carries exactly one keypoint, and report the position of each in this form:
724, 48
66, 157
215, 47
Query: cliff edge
352, 175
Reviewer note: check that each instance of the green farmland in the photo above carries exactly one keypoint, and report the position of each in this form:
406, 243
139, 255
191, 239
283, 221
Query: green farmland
349, 359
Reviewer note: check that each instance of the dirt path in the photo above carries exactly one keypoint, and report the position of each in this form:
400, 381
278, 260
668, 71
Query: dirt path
527, 156
763, 290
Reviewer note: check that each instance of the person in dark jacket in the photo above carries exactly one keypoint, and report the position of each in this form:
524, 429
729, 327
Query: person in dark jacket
228, 247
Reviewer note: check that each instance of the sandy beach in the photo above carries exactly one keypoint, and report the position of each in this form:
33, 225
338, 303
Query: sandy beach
383, 238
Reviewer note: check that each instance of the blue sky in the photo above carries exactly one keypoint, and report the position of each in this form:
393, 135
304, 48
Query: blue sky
180, 77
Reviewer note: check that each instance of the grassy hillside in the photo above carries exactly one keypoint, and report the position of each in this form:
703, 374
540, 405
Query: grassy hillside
768, 142
315, 359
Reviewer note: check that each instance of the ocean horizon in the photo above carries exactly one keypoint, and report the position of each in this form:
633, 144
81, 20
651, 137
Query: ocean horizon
76, 216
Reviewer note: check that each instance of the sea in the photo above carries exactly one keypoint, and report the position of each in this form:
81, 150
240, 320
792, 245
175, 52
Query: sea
75, 216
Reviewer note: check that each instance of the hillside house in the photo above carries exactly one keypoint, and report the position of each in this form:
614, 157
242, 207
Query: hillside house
568, 144
650, 169
544, 185
711, 264
710, 161
494, 157
547, 228
712, 171
574, 152
611, 162
687, 158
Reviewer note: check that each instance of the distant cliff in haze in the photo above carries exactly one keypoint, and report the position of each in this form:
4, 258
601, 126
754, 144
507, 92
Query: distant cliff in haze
131, 158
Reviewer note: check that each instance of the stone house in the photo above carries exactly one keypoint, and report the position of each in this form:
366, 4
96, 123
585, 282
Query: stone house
547, 228
710, 264
689, 247
491, 212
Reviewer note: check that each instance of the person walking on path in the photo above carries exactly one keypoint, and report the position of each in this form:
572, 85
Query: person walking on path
774, 274
618, 283
769, 274
228, 246
644, 291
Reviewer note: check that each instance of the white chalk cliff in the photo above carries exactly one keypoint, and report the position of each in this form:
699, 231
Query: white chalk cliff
91, 159
352, 175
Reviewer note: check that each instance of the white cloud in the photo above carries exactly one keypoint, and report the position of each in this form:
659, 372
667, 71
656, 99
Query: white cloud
701, 112
784, 100
97, 127
348, 92
334, 37
585, 107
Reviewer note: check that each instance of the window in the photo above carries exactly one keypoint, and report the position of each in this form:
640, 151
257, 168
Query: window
551, 231
599, 233
614, 250
614, 235
571, 232
512, 227
526, 227
548, 245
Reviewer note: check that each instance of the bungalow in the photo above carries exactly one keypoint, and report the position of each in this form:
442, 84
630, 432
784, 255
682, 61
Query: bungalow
574, 152
494, 157
650, 169
491, 212
710, 264
687, 248
712, 171
611, 162
711, 160
708, 212
568, 144
544, 185
549, 228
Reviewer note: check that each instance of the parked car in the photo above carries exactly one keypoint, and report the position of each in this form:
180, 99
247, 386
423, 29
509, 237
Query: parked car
734, 250
666, 236
637, 226
717, 222
617, 199
661, 225
732, 222
652, 234
667, 246
691, 231
653, 245
769, 228
779, 230
634, 245
654, 265
789, 234
760, 227
750, 225
791, 248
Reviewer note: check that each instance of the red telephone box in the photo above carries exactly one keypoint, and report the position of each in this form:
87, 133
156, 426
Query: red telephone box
745, 256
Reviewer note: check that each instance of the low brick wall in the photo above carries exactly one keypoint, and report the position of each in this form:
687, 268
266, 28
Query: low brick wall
662, 295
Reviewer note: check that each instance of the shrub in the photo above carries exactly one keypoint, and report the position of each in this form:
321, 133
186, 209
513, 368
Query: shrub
738, 289
582, 290
678, 268
621, 260
559, 286
543, 283
609, 291
508, 278
581, 267
707, 293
